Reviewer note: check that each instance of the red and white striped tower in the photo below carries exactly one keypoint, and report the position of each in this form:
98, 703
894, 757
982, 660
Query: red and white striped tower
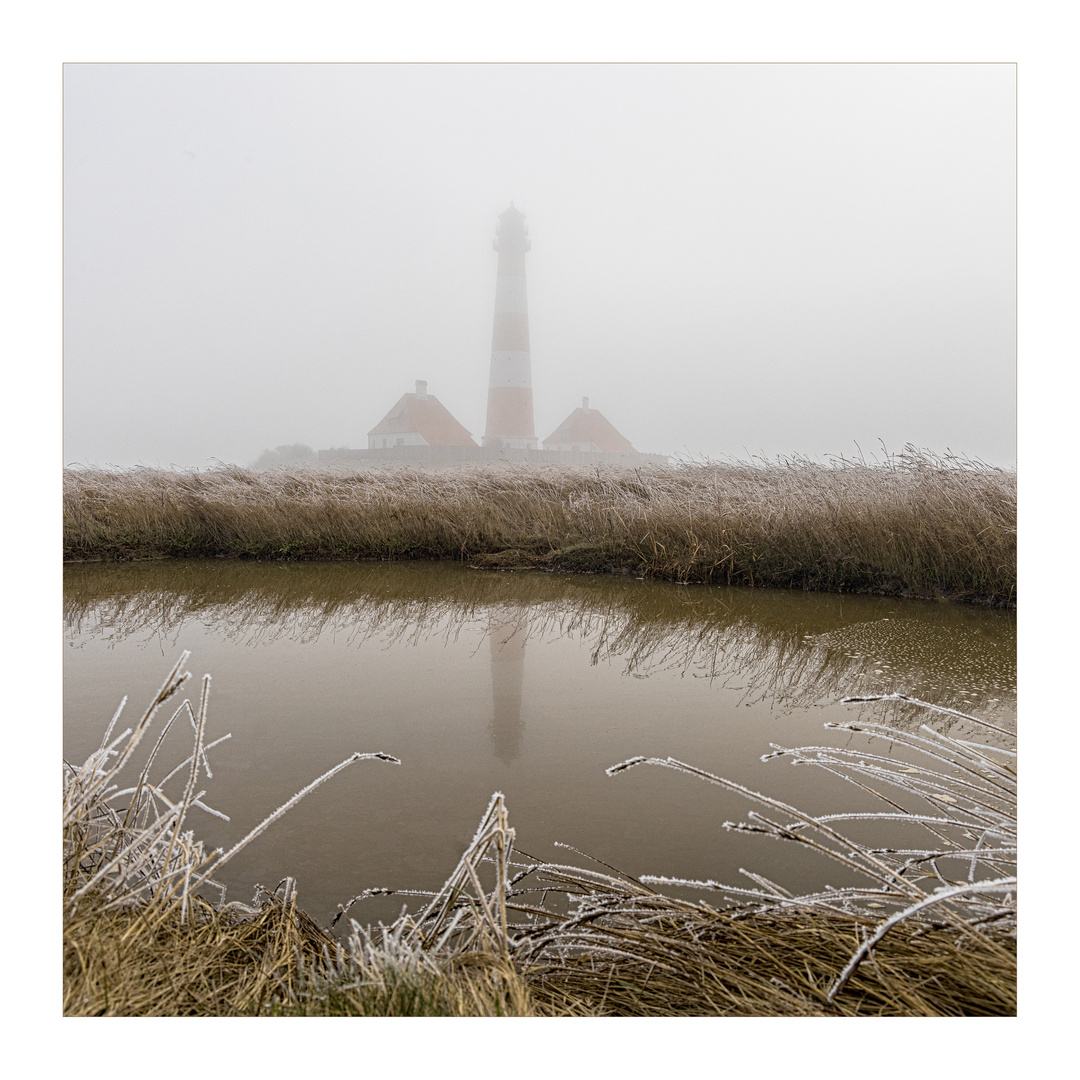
510, 404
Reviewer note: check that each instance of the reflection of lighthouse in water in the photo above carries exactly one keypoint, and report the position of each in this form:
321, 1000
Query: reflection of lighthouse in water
507, 675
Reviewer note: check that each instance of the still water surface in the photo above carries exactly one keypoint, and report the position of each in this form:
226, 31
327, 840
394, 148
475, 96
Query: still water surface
529, 684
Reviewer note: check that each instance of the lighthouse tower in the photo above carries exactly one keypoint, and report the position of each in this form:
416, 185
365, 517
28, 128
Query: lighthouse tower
510, 404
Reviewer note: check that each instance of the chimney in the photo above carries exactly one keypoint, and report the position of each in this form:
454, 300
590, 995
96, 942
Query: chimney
585, 404
421, 390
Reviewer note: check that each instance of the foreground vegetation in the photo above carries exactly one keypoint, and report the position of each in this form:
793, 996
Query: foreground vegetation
931, 932
916, 525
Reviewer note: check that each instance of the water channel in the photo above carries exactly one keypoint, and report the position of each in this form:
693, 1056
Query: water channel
525, 683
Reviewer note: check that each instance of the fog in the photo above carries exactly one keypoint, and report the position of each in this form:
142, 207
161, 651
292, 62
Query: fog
729, 260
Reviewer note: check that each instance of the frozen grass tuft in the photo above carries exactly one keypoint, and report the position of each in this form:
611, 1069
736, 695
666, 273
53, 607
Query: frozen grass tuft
930, 930
134, 871
139, 852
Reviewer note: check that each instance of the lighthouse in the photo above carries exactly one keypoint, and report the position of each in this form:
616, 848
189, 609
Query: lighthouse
510, 404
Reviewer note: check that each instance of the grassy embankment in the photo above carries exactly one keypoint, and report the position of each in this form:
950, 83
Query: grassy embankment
916, 525
931, 932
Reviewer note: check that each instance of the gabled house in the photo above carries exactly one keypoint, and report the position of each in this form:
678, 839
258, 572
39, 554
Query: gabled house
589, 430
418, 419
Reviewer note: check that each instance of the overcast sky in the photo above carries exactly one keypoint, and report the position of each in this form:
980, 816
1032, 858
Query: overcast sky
727, 259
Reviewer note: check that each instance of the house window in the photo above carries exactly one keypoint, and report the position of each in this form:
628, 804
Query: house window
384, 442
399, 442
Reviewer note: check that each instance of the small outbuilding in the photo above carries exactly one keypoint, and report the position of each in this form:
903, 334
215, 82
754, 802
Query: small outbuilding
418, 419
589, 430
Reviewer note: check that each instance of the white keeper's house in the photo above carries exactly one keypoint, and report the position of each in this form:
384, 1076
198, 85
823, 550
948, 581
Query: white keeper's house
418, 419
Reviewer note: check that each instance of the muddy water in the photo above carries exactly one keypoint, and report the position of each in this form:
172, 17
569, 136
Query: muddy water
528, 684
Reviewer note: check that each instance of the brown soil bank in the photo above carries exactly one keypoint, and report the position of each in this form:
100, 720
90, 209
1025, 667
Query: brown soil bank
917, 525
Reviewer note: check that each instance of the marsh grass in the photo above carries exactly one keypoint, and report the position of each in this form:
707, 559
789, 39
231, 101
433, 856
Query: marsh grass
152, 960
139, 935
145, 961
916, 524
930, 932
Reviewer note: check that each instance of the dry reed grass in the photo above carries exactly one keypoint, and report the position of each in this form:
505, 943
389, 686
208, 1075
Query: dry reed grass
894, 947
916, 524
145, 961
139, 938
932, 933
148, 960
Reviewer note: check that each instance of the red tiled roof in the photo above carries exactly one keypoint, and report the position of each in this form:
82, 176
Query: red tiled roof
585, 426
428, 417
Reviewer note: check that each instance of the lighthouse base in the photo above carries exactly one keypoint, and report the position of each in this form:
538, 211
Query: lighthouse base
502, 442
437, 457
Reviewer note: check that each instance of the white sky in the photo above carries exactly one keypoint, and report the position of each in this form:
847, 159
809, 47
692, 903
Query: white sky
727, 259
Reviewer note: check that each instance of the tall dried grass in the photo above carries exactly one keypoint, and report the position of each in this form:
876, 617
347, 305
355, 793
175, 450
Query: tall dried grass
134, 873
915, 524
931, 932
